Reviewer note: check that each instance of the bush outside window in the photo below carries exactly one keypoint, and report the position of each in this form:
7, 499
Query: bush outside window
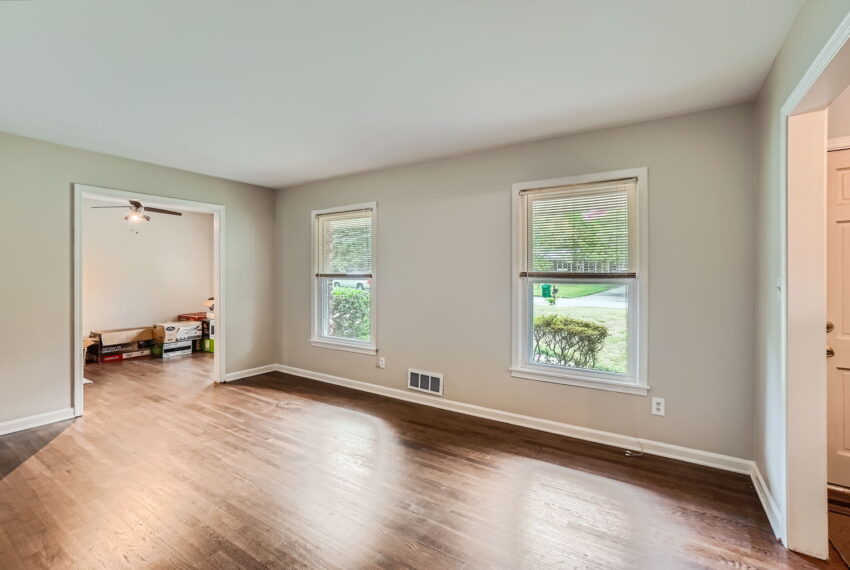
343, 312
578, 280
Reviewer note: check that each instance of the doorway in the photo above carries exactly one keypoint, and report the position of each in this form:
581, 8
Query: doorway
838, 345
83, 197
838, 318
809, 385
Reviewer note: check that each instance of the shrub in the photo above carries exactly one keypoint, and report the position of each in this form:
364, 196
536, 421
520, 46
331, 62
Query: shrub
350, 313
567, 341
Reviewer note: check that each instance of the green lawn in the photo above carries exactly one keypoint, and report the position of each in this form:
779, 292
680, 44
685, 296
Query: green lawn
614, 354
573, 290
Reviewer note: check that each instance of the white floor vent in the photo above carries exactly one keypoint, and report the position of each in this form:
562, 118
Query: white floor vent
430, 382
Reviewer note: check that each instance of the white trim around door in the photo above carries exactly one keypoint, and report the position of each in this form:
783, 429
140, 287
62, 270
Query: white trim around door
838, 143
795, 511
81, 192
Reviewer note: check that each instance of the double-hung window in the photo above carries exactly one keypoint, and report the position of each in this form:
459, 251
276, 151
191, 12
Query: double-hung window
580, 281
344, 280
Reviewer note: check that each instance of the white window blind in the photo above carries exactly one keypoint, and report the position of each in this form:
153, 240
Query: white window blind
584, 230
345, 244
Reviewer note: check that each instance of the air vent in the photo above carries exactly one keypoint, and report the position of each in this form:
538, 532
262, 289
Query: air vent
430, 382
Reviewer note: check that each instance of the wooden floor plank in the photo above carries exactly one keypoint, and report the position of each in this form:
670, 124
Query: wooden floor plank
167, 470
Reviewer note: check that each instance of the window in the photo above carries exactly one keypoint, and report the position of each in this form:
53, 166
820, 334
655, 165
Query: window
580, 281
344, 282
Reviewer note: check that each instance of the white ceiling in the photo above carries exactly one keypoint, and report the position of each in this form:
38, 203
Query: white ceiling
280, 92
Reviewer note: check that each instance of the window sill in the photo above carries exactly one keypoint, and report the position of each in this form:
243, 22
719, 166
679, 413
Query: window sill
560, 378
347, 347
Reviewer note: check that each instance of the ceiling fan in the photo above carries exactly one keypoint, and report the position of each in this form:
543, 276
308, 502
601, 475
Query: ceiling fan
137, 211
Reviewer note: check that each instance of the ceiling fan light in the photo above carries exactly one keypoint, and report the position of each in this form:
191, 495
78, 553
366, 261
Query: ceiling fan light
136, 217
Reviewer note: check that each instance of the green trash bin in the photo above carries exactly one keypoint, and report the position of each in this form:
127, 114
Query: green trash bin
546, 289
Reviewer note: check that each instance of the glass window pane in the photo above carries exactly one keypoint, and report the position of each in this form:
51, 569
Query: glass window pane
346, 308
580, 325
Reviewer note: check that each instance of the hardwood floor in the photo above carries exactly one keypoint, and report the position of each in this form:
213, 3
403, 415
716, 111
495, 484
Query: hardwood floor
168, 471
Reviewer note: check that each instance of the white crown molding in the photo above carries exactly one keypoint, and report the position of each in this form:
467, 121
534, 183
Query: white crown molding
838, 143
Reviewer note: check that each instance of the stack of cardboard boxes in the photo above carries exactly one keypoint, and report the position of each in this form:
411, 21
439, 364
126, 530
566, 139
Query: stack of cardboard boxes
175, 338
191, 332
207, 341
119, 344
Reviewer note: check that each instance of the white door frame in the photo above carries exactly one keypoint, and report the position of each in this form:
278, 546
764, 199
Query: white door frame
803, 414
81, 192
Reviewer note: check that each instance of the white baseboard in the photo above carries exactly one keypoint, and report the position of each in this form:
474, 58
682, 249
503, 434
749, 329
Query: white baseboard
238, 375
707, 458
768, 503
690, 455
37, 420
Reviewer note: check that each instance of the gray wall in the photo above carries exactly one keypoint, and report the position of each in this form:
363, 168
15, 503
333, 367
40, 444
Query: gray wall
815, 23
444, 261
839, 116
36, 251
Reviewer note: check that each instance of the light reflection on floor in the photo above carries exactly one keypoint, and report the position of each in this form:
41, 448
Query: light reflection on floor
169, 471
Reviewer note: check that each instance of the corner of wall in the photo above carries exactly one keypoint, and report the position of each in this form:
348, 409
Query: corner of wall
279, 268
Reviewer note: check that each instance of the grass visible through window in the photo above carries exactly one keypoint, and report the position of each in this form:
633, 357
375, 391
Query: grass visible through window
604, 305
574, 290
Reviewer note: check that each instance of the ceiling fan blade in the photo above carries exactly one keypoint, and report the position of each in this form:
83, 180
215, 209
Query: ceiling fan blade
160, 211
109, 206
135, 203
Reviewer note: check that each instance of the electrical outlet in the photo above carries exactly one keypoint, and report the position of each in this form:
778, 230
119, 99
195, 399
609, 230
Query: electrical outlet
382, 362
658, 406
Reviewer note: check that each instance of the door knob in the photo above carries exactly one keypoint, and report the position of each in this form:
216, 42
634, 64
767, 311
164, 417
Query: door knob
829, 352
829, 326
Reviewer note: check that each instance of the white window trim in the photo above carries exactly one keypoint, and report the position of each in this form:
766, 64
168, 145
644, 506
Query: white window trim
520, 368
316, 339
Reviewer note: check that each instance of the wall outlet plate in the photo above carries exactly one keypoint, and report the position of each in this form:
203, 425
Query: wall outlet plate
382, 362
658, 406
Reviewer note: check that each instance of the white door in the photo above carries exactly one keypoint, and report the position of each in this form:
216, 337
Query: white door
838, 316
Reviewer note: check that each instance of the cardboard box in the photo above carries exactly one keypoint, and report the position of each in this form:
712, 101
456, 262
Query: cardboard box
172, 349
208, 328
198, 345
165, 333
117, 348
126, 347
122, 336
192, 317
135, 354
98, 352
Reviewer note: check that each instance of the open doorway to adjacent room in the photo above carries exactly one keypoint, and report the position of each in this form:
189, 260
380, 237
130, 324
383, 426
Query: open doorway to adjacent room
838, 322
814, 124
148, 291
